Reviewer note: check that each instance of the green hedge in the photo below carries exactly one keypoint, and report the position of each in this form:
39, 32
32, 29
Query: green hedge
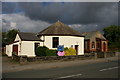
41, 51
45, 51
66, 48
50, 52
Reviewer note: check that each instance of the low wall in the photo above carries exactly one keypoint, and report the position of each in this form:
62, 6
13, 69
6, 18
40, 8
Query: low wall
105, 54
25, 59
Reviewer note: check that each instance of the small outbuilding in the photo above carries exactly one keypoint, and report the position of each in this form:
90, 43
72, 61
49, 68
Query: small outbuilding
23, 45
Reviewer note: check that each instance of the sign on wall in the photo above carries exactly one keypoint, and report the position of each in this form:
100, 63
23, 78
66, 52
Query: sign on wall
60, 48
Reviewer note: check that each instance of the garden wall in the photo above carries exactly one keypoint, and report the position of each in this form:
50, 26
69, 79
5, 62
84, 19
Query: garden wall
25, 59
105, 54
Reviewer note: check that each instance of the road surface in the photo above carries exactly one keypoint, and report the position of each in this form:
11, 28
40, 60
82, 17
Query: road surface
96, 70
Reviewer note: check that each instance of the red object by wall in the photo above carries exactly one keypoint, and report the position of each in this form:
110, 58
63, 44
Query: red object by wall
15, 48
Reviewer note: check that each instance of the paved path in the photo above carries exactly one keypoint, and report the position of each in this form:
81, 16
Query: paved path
9, 67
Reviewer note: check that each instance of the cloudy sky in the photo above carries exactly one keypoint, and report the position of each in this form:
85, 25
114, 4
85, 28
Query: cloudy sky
36, 16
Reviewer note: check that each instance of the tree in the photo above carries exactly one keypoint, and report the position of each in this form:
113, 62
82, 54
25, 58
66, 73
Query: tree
112, 33
11, 34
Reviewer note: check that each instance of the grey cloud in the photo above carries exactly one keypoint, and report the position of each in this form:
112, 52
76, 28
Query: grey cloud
73, 13
23, 23
86, 28
81, 16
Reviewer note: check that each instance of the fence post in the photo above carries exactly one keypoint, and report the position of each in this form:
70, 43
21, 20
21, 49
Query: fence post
95, 54
105, 54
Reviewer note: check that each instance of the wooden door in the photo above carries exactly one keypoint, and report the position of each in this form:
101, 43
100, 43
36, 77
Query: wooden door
104, 47
15, 49
76, 48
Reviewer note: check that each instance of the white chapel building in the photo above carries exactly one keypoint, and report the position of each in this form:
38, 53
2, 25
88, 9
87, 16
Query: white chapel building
56, 34
61, 34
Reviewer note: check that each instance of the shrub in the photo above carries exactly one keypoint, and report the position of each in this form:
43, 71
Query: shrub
50, 52
66, 48
70, 51
41, 51
67, 53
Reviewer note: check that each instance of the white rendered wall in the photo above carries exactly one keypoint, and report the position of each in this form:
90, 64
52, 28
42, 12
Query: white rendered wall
24, 47
9, 50
67, 41
28, 48
17, 38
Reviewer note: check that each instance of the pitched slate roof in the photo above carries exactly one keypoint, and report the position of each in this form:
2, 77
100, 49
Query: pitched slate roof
60, 28
89, 35
28, 36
